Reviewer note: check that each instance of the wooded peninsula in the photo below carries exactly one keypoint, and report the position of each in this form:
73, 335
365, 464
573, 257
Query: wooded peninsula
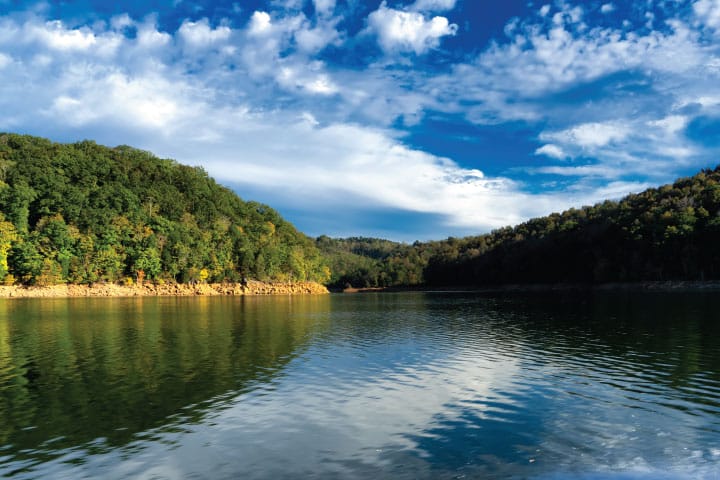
85, 214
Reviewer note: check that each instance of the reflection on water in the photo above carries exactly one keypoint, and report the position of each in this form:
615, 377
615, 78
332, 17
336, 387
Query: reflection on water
390, 385
79, 371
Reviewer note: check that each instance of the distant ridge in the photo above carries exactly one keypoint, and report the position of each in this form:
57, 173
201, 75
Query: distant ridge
669, 233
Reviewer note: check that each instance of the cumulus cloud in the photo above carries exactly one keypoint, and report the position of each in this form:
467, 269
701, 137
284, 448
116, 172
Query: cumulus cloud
53, 37
200, 35
301, 79
57, 37
637, 102
114, 96
260, 23
508, 81
708, 12
260, 106
311, 40
159, 106
401, 31
280, 50
150, 38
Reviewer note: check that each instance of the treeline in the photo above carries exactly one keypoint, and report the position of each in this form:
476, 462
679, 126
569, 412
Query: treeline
371, 262
83, 213
666, 233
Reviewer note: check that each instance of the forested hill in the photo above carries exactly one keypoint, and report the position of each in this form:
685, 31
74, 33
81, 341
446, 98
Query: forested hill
666, 233
82, 213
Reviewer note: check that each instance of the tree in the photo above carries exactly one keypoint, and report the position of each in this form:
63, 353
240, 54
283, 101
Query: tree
25, 261
8, 236
149, 263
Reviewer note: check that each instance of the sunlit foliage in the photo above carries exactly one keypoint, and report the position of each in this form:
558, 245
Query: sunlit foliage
83, 213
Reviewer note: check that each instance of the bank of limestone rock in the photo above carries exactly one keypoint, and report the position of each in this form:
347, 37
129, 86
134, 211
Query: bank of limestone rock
151, 290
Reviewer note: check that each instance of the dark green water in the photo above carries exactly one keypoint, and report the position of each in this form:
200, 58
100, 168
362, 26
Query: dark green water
410, 385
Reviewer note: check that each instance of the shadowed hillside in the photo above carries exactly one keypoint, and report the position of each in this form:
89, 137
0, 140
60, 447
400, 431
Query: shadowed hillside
666, 233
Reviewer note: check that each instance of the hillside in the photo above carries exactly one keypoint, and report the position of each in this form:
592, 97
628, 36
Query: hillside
371, 262
666, 233
82, 213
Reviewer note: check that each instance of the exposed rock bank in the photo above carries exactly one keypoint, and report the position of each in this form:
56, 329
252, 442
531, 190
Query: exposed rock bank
151, 290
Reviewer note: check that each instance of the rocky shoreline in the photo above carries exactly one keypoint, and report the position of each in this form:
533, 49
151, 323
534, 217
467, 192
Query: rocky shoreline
154, 290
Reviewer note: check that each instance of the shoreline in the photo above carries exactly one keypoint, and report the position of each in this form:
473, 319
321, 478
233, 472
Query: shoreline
257, 288
654, 286
252, 288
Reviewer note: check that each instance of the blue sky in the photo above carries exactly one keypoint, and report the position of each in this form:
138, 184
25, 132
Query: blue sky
405, 120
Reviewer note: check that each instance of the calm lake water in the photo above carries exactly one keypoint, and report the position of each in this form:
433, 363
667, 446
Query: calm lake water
410, 385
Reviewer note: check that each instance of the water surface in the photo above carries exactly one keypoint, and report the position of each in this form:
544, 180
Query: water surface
411, 385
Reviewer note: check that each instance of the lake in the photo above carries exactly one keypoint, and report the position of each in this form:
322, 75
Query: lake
407, 385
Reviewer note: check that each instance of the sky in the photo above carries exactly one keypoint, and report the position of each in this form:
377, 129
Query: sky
407, 120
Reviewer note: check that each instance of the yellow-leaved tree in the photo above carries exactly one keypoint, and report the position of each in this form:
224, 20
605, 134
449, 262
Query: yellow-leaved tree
8, 235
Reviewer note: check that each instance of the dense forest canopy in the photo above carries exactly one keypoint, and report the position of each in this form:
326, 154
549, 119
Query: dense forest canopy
666, 233
371, 262
82, 213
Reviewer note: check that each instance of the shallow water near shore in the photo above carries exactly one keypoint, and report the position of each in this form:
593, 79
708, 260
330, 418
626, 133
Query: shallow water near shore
394, 385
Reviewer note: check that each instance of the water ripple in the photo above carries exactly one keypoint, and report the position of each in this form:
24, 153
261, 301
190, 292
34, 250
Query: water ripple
402, 386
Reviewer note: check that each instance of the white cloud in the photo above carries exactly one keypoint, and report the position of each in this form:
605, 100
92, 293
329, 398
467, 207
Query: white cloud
266, 40
346, 164
54, 37
640, 147
312, 40
324, 7
271, 35
705, 100
590, 135
432, 5
671, 124
148, 101
607, 8
256, 105
200, 35
57, 37
150, 38
551, 150
322, 86
408, 31
617, 190
302, 79
156, 106
120, 22
260, 23
506, 81
708, 12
